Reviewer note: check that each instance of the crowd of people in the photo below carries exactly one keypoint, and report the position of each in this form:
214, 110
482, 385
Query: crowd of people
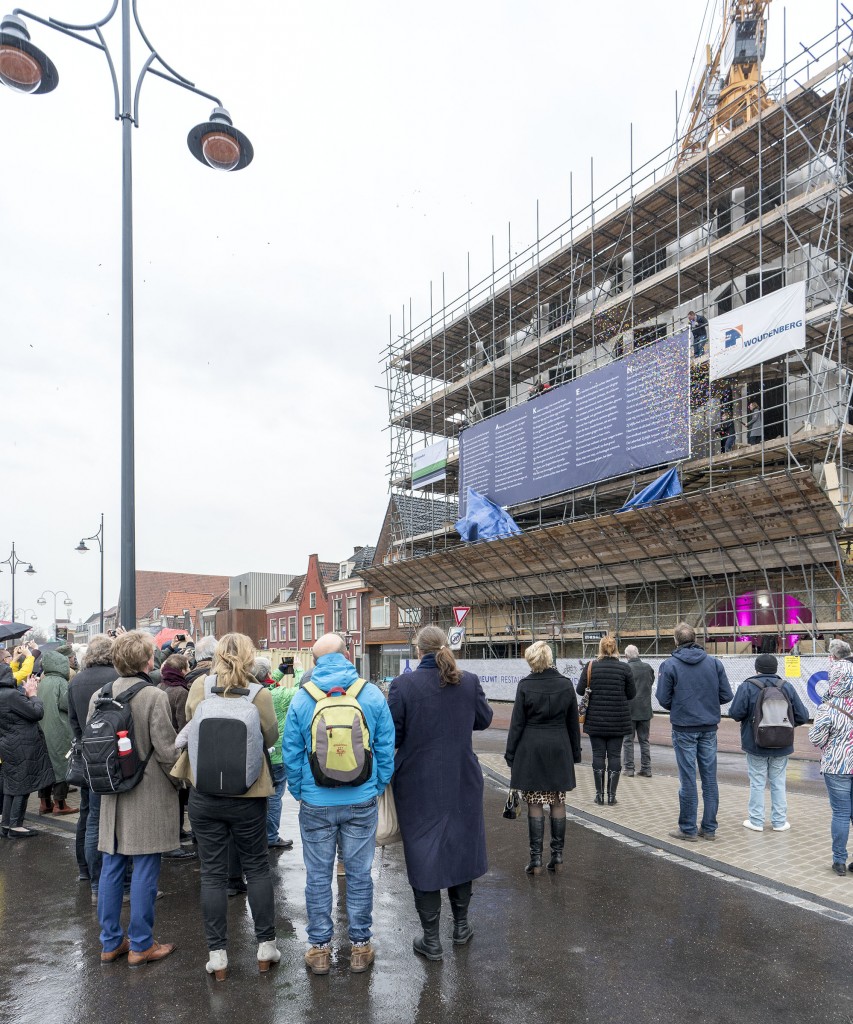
212, 737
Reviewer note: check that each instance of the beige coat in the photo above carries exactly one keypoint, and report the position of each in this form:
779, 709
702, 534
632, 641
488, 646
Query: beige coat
269, 729
145, 819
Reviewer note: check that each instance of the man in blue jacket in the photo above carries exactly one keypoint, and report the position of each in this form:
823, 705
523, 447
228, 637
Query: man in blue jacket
345, 814
693, 686
764, 762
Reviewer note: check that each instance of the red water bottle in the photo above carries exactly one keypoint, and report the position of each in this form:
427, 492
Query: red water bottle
125, 754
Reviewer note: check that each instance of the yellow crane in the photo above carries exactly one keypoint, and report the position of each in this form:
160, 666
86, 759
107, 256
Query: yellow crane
730, 91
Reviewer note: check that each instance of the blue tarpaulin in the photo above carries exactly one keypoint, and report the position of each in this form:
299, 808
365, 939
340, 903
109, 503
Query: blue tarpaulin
666, 486
484, 520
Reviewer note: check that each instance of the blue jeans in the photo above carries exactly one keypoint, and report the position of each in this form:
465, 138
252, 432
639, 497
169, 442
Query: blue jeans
93, 824
696, 748
143, 894
840, 789
279, 781
354, 825
760, 770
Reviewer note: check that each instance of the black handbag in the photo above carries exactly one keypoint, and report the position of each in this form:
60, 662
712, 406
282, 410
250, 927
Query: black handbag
75, 775
513, 801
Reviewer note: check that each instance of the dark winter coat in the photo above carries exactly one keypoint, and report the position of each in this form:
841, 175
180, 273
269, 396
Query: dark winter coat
53, 693
544, 740
644, 680
609, 713
692, 686
438, 783
177, 690
23, 751
743, 711
82, 687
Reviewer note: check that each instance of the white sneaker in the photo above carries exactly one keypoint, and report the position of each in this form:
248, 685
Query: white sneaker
782, 828
753, 828
268, 953
217, 965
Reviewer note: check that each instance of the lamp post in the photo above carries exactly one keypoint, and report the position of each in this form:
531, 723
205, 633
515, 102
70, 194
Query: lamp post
216, 143
99, 537
67, 602
13, 562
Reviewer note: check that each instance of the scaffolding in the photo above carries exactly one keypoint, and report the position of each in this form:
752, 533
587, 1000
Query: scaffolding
765, 204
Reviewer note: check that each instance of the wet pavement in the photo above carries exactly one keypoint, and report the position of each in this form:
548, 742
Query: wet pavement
623, 935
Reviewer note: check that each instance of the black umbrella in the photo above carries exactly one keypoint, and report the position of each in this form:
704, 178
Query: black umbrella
13, 630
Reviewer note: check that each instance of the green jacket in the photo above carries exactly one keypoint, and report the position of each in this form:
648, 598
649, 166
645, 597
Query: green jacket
281, 699
53, 692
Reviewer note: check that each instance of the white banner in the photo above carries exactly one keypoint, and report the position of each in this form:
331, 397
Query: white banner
500, 677
429, 465
758, 331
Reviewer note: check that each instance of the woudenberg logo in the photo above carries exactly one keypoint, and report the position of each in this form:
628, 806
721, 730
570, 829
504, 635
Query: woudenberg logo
733, 336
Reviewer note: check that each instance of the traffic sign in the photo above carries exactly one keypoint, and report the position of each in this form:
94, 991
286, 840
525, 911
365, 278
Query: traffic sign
459, 613
455, 638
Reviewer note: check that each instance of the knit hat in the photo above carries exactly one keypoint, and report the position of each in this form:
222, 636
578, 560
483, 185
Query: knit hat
766, 664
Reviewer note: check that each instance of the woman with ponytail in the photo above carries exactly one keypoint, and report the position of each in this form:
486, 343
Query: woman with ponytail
608, 716
438, 785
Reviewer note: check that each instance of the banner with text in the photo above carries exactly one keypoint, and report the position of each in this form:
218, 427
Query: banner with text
758, 331
429, 465
628, 415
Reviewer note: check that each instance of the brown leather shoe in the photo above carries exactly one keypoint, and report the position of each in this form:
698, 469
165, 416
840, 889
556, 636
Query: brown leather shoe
63, 808
361, 958
122, 950
156, 952
317, 960
45, 806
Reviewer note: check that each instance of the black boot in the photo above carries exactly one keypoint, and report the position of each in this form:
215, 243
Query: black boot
536, 831
598, 773
429, 944
558, 841
612, 783
460, 897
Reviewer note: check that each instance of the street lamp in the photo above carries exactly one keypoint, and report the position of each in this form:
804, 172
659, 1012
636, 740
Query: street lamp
13, 561
216, 142
67, 602
99, 537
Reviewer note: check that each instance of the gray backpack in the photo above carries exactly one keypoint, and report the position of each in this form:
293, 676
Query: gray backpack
226, 746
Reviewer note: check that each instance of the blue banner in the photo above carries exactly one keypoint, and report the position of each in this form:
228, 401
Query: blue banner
629, 415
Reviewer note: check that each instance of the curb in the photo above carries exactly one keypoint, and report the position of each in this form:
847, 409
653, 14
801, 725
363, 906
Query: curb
681, 850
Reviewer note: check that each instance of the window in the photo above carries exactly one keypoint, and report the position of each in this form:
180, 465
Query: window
319, 625
352, 614
312, 599
306, 627
337, 614
292, 628
409, 616
273, 631
380, 612
343, 571
282, 629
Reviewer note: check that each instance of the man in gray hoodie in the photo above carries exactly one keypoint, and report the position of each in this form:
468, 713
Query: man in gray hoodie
693, 686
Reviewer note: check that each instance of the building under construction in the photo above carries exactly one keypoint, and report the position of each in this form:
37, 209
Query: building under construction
755, 194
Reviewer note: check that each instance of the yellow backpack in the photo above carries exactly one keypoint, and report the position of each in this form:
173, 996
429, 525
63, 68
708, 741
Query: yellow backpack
340, 740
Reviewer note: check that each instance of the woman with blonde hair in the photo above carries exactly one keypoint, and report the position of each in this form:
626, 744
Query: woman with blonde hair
438, 785
242, 817
542, 747
608, 716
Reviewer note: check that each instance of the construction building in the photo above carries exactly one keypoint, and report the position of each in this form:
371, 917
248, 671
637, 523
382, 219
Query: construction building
754, 195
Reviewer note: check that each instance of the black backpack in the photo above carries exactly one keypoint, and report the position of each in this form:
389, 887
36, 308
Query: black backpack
105, 769
773, 717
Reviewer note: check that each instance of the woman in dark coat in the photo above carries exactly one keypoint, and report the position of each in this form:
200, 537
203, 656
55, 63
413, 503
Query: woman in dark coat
542, 747
438, 785
26, 763
608, 717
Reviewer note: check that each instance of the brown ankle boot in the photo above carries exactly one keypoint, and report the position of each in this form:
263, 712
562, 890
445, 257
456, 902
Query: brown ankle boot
45, 806
61, 807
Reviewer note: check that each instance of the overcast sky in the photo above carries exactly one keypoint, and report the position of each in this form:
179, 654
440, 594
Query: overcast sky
390, 140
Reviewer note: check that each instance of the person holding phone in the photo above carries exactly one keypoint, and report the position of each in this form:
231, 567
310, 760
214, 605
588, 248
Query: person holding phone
26, 763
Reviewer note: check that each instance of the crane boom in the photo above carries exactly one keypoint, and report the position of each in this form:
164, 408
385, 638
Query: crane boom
730, 91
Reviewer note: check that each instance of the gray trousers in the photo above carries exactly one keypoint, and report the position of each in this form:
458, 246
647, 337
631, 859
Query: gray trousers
642, 731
